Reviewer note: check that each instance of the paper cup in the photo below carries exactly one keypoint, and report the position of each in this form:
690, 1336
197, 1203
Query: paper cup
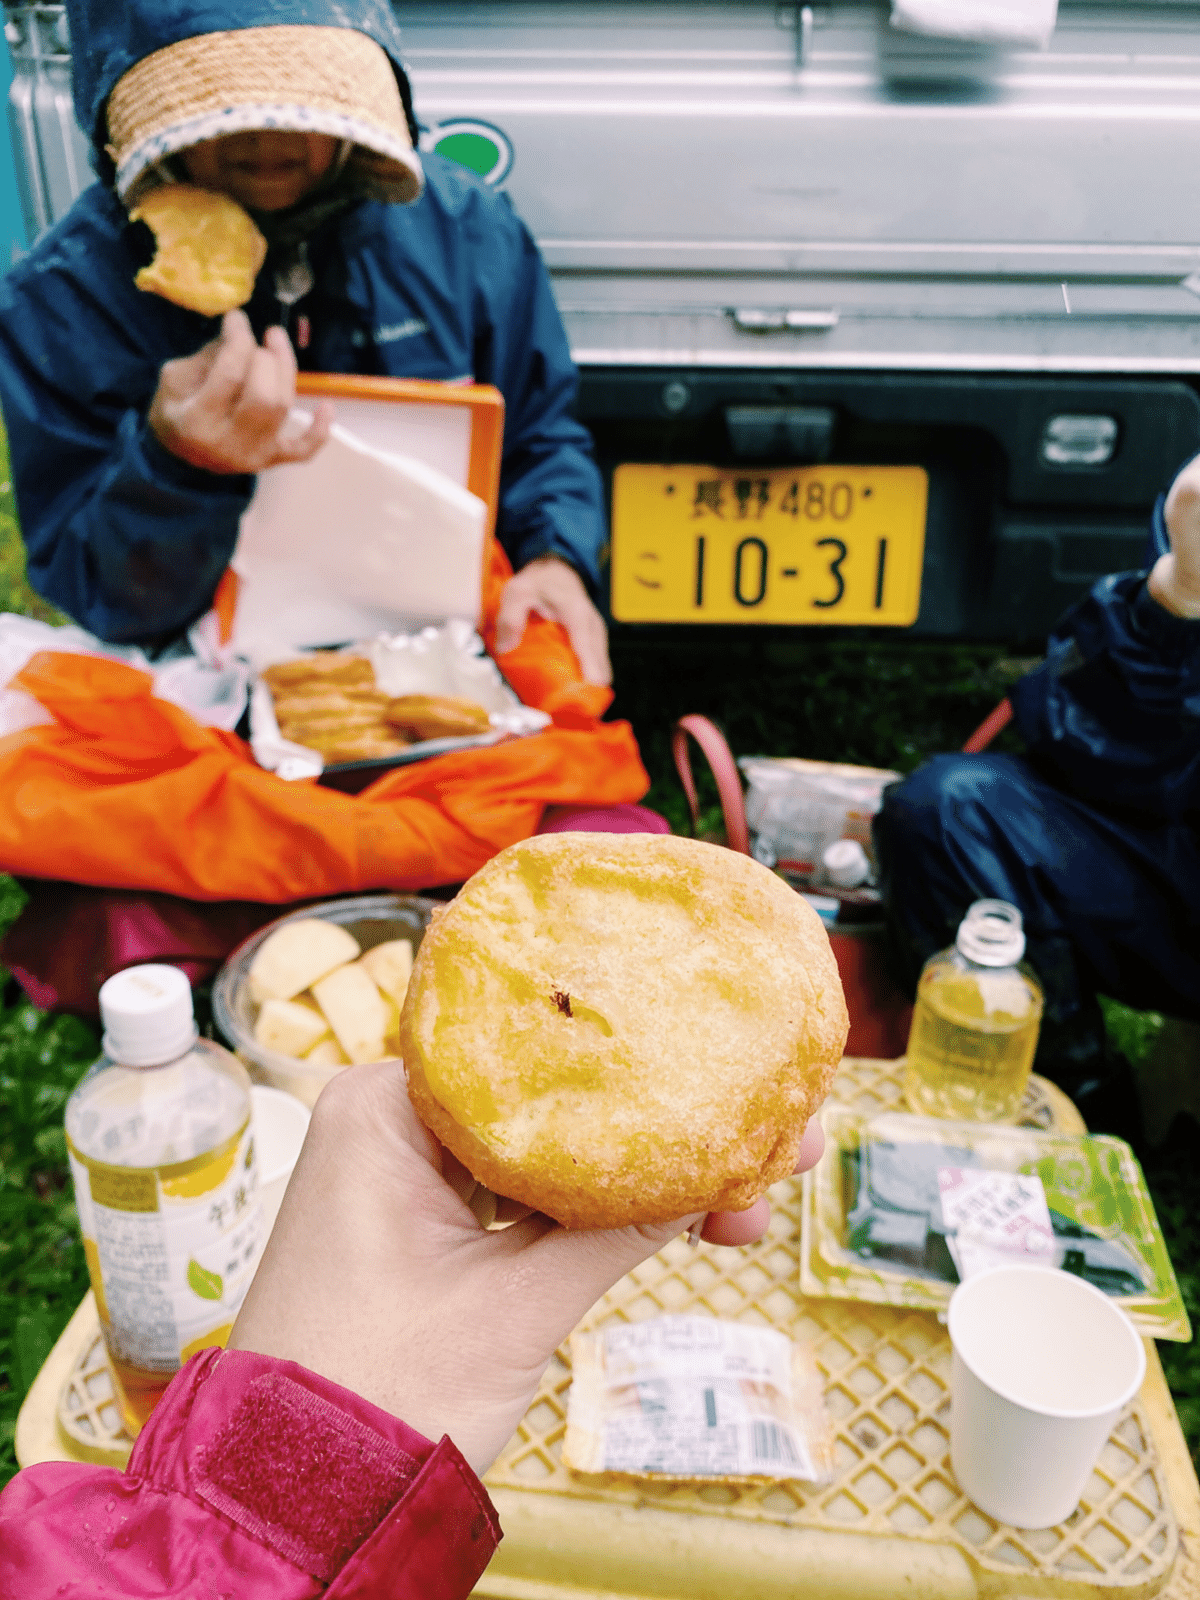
1043, 1366
280, 1123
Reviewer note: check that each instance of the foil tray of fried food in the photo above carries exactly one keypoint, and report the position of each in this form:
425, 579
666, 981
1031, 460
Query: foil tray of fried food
329, 702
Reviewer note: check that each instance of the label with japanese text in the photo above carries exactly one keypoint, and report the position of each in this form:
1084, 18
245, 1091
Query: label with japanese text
685, 1397
995, 1219
170, 1250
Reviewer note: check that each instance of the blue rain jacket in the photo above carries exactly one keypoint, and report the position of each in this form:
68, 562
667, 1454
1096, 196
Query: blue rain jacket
1114, 711
129, 540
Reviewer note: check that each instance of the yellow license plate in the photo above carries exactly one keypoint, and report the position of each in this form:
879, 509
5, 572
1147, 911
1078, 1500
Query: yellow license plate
806, 545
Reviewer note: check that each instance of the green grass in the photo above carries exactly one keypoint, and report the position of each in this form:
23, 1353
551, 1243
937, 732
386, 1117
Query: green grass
874, 701
42, 1271
15, 593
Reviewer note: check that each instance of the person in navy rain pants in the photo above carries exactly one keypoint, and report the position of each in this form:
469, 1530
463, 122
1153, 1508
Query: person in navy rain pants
1093, 833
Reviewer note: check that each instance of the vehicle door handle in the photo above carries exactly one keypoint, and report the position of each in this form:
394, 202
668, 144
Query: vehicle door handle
756, 319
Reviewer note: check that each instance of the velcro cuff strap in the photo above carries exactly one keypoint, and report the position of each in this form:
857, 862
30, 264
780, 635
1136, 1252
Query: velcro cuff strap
301, 1475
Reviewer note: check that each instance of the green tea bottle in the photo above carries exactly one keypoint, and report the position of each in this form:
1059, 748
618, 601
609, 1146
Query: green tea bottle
162, 1156
975, 1023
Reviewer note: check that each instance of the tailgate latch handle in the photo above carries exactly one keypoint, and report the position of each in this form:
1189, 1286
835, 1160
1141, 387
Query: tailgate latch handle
798, 19
756, 319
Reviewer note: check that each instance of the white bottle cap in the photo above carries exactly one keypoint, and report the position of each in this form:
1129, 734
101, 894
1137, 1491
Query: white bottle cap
846, 864
991, 934
147, 1016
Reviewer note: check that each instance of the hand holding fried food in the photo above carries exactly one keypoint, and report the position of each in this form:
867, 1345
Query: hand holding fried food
208, 251
619, 1029
228, 407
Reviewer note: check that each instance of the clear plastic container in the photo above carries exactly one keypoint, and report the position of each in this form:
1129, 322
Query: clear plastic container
372, 919
976, 1020
162, 1156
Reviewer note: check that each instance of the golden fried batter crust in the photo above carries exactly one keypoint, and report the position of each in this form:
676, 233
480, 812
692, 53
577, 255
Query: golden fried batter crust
620, 1029
437, 716
208, 251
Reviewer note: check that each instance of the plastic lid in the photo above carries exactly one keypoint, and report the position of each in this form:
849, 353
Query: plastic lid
991, 934
846, 864
147, 1016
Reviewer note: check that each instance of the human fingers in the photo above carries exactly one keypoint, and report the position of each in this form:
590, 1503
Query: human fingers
267, 395
304, 445
588, 636
280, 346
812, 1146
1182, 514
738, 1227
226, 376
1183, 491
747, 1227
1175, 577
512, 616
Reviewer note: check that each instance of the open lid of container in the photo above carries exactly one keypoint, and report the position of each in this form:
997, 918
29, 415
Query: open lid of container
384, 530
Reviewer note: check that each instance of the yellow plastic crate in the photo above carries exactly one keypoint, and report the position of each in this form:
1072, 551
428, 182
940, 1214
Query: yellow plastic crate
893, 1522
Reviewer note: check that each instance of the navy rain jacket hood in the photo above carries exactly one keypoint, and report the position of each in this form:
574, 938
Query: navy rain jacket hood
130, 540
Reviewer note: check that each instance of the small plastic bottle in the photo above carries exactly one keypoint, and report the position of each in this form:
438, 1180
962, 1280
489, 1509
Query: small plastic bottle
166, 1185
975, 1023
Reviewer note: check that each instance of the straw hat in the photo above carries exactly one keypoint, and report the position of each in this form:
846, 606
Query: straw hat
296, 77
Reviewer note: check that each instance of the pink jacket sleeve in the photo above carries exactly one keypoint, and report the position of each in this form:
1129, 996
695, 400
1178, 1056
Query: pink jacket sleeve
259, 1479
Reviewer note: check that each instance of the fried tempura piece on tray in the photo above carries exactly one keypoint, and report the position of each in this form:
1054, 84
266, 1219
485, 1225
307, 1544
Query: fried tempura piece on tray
437, 716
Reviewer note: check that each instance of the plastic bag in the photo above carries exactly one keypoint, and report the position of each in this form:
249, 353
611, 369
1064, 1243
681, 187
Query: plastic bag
696, 1397
796, 809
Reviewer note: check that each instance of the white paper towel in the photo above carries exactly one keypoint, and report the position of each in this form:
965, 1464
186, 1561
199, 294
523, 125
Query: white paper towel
355, 542
1016, 22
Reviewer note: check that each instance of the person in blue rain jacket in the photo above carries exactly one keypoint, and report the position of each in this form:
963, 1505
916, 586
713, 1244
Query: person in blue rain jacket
136, 427
1094, 833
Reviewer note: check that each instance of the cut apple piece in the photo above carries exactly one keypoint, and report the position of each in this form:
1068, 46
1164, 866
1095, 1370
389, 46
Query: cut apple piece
390, 965
357, 1012
297, 955
328, 1053
289, 1027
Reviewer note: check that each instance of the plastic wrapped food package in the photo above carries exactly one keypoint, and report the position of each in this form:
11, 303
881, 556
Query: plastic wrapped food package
796, 809
691, 1397
903, 1207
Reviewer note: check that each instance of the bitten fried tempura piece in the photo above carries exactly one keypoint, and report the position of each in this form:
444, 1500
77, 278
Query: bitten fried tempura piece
208, 251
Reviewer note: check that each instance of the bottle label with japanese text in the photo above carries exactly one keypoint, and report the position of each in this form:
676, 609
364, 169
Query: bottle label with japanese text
170, 1250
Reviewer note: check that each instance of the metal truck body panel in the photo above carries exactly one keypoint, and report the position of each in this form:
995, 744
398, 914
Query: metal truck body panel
789, 234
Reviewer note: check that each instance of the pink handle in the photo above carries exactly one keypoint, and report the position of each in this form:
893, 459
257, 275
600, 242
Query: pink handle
724, 769
992, 724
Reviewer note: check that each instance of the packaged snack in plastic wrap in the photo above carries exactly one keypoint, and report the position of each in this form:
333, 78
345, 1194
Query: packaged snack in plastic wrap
696, 1397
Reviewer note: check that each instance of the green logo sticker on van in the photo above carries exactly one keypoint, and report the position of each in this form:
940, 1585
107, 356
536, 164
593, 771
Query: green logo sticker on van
476, 145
